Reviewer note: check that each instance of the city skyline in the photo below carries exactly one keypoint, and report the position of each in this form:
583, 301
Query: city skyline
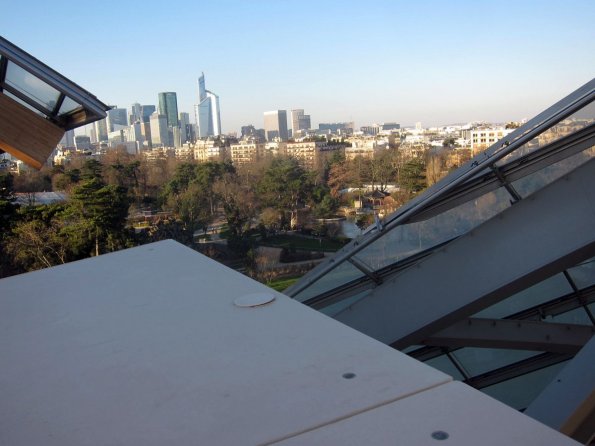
427, 61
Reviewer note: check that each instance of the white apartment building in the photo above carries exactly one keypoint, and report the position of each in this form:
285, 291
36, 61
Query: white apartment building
246, 152
309, 153
208, 150
363, 146
483, 138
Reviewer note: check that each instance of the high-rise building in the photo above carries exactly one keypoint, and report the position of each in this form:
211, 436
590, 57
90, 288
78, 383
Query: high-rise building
299, 122
208, 116
168, 106
146, 112
68, 139
185, 127
135, 113
275, 125
159, 130
336, 127
82, 142
117, 118
100, 130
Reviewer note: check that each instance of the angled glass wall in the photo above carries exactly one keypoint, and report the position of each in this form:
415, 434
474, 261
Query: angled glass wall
547, 148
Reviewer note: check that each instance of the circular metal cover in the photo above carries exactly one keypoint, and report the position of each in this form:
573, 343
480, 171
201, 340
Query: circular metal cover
254, 300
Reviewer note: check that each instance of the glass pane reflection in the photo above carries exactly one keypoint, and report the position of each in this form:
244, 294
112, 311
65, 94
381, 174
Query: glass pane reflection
583, 275
531, 183
342, 274
481, 360
551, 288
576, 316
31, 86
519, 392
407, 240
68, 105
445, 365
577, 121
336, 308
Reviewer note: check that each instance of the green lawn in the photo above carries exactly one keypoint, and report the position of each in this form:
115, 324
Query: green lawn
282, 284
304, 243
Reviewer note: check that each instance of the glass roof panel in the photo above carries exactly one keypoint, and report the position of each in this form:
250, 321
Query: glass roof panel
445, 365
519, 392
583, 275
407, 240
342, 274
531, 183
31, 86
481, 360
68, 105
577, 121
337, 307
23, 103
551, 288
577, 316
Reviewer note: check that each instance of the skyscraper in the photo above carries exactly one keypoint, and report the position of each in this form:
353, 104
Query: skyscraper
117, 118
146, 112
159, 130
275, 125
100, 130
168, 106
299, 121
185, 127
208, 117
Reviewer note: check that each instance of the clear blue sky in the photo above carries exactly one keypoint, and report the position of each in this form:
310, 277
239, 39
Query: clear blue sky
369, 61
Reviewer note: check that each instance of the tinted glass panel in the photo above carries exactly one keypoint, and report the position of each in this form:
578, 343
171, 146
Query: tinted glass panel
445, 365
68, 105
583, 275
576, 316
31, 86
551, 288
531, 183
480, 360
407, 240
342, 274
577, 121
334, 309
519, 392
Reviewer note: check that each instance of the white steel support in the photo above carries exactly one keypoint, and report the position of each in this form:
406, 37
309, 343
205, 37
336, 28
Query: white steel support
515, 334
544, 234
568, 403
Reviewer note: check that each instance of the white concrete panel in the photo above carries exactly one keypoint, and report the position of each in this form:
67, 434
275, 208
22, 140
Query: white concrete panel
146, 346
451, 414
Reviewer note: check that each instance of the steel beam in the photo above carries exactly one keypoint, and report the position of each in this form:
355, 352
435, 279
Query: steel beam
514, 334
542, 235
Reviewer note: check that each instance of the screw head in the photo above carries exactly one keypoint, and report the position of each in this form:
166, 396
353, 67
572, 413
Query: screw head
439, 435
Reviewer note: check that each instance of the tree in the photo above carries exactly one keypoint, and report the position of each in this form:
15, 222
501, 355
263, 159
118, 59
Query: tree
8, 212
413, 178
192, 207
434, 169
97, 213
285, 186
239, 204
37, 244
